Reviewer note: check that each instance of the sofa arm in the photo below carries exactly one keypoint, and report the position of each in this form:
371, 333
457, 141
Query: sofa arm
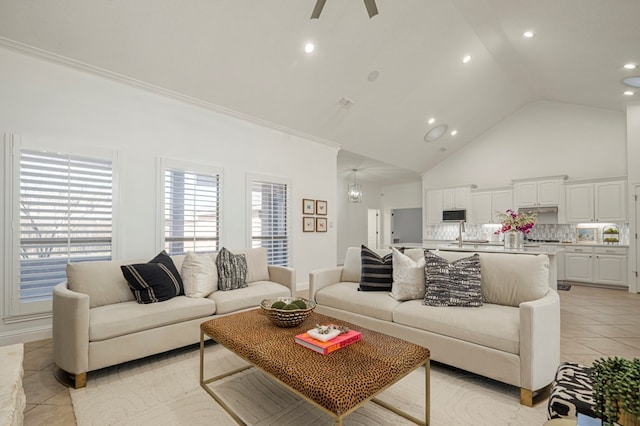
285, 276
539, 341
70, 326
321, 278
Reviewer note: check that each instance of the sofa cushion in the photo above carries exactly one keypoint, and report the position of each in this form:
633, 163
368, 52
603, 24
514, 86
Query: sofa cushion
493, 326
199, 274
345, 296
232, 270
119, 319
377, 271
247, 297
352, 266
454, 283
503, 280
257, 266
408, 277
102, 281
155, 281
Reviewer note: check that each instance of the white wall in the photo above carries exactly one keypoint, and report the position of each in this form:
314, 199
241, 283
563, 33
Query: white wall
46, 101
541, 139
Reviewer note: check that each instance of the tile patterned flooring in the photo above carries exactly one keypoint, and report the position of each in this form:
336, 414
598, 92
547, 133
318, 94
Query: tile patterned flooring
596, 322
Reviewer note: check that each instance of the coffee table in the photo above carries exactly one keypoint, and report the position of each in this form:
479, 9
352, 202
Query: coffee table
338, 383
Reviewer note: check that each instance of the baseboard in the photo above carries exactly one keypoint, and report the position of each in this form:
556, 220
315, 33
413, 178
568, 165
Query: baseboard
25, 335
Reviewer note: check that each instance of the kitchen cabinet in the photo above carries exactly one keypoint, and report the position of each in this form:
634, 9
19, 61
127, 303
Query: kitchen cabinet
597, 202
434, 205
598, 265
537, 193
484, 205
455, 198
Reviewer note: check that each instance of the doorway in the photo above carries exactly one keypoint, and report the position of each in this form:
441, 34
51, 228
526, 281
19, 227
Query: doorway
406, 225
373, 228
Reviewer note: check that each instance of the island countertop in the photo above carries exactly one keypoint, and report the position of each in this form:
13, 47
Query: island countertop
485, 248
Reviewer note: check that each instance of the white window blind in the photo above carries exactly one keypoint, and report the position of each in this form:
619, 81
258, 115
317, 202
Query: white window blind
270, 220
191, 211
65, 216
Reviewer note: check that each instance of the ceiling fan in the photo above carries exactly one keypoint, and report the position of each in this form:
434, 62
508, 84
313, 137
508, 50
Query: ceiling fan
372, 10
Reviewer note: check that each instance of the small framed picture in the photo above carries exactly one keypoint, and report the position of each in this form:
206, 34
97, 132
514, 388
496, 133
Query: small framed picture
321, 207
587, 235
321, 224
308, 206
308, 224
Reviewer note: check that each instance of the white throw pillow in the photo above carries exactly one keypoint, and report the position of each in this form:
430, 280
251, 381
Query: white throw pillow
408, 277
199, 274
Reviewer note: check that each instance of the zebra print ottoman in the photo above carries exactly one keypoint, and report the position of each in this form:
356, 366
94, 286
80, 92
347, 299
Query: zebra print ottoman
571, 393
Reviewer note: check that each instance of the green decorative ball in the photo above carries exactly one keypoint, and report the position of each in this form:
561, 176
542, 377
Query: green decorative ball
278, 305
300, 303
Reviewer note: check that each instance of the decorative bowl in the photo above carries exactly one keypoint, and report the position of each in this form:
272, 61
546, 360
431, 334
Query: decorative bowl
287, 317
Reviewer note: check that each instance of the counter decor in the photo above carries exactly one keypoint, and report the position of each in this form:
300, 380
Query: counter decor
514, 227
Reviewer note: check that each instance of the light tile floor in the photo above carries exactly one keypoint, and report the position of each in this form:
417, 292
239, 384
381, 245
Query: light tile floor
595, 322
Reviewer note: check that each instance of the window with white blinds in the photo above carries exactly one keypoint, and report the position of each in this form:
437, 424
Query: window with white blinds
191, 211
270, 220
66, 208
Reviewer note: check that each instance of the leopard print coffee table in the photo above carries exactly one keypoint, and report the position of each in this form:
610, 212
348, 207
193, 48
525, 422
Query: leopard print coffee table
338, 383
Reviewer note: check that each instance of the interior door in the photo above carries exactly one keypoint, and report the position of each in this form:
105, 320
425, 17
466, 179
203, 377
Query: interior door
373, 228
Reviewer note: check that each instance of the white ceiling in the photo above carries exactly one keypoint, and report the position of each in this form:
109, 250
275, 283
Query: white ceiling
248, 56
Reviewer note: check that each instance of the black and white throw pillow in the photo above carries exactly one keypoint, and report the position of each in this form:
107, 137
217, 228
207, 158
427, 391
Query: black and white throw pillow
232, 270
452, 284
571, 392
155, 281
377, 271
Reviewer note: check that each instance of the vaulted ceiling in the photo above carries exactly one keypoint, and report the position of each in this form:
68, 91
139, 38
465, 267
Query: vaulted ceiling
248, 56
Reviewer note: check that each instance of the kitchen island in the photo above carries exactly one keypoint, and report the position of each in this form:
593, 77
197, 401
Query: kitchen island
534, 249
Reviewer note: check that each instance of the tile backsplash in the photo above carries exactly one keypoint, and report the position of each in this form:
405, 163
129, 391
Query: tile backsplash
560, 232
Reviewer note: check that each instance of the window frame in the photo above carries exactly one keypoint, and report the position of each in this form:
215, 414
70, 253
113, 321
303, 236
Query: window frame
14, 310
163, 164
256, 177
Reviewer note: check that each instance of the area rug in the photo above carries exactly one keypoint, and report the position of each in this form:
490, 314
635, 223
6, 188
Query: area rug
165, 390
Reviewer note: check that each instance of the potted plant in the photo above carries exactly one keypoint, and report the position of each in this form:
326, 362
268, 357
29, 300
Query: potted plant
616, 390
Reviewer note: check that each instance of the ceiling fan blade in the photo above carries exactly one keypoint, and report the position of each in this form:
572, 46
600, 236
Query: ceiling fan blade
318, 9
372, 9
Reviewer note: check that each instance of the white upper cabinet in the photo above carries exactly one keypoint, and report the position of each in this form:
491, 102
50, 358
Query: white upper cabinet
456, 198
537, 193
484, 205
597, 202
434, 204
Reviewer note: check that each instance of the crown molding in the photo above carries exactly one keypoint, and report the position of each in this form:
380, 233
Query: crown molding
139, 84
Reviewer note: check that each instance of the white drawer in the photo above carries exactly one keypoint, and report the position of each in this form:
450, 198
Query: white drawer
611, 250
577, 249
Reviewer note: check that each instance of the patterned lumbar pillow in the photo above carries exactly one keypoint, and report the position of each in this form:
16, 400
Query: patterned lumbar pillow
155, 281
408, 277
452, 284
232, 270
377, 271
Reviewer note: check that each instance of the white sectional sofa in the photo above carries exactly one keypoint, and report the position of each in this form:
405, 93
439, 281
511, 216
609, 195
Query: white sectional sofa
514, 337
98, 323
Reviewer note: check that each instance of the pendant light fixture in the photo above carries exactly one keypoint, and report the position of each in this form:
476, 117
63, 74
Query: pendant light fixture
355, 191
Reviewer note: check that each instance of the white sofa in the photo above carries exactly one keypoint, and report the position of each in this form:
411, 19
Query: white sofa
98, 323
514, 337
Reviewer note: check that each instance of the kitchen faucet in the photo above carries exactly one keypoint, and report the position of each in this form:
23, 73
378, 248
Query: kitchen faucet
460, 231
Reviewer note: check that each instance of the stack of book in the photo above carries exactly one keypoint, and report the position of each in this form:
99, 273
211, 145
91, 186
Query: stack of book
325, 348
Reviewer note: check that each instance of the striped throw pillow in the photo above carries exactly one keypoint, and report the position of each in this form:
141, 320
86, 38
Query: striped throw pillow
155, 281
377, 271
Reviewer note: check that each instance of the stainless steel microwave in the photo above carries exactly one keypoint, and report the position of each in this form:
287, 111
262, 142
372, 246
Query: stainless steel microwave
454, 215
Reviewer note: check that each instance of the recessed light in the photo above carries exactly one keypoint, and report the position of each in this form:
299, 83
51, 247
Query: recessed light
630, 66
528, 34
431, 120
435, 133
466, 59
629, 93
454, 132
309, 47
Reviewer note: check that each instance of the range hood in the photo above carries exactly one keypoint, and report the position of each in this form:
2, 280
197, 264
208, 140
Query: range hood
539, 210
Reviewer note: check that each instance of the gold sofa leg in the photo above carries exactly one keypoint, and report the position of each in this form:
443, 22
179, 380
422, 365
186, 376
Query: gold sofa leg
80, 380
529, 397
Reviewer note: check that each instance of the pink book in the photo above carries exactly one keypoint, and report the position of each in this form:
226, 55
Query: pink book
329, 346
